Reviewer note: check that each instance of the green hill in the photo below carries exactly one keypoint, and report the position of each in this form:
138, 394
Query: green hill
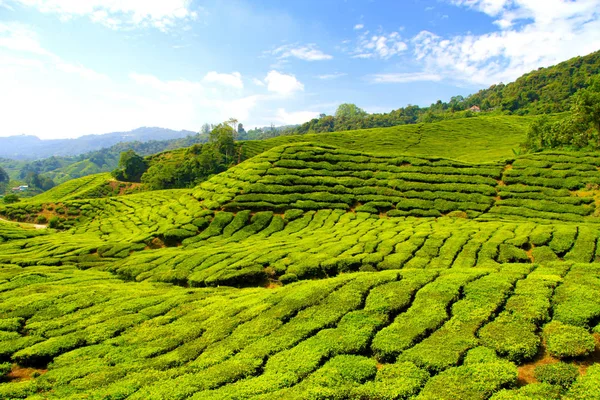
478, 139
426, 261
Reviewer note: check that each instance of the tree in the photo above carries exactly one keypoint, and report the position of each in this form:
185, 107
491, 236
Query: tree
11, 198
586, 107
131, 167
233, 123
222, 139
41, 182
206, 128
242, 134
348, 110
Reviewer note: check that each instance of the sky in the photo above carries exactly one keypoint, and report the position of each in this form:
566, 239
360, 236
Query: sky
74, 67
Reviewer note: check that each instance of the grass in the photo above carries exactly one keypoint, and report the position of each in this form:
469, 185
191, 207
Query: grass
482, 139
312, 271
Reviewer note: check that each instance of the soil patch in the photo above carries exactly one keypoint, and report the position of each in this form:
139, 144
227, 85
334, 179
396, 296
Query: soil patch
18, 373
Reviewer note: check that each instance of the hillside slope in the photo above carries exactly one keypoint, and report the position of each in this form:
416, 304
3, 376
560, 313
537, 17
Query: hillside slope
478, 139
311, 271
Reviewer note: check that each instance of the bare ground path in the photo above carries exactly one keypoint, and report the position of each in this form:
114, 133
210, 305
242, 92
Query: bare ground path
24, 224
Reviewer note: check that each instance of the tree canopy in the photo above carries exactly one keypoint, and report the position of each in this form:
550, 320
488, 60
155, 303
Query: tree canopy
131, 167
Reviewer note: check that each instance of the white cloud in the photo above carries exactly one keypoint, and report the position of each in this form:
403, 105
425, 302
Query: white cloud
295, 117
358, 27
115, 14
531, 34
381, 45
283, 84
233, 80
404, 77
258, 82
18, 37
308, 52
335, 75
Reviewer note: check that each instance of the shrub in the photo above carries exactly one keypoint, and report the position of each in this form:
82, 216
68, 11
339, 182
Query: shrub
511, 337
5, 368
561, 374
586, 386
42, 219
288, 278
176, 236
533, 391
292, 214
11, 198
480, 355
567, 341
474, 381
54, 223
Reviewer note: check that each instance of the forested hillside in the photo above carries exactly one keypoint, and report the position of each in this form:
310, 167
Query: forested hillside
545, 91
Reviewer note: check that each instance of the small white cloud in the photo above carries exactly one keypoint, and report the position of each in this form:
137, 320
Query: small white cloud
295, 117
335, 75
258, 82
404, 77
283, 84
381, 45
233, 80
307, 52
358, 27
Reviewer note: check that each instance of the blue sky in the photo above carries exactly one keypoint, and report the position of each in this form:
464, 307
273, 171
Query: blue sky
75, 67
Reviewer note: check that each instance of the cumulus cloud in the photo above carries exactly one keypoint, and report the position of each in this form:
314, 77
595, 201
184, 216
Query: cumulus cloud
295, 117
116, 14
283, 84
380, 45
308, 52
233, 80
404, 77
358, 27
530, 34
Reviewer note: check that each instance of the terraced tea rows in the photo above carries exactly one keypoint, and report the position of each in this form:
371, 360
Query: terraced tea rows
360, 276
550, 186
244, 250
432, 331
311, 177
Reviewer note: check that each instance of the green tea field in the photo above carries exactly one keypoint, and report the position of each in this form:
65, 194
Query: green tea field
316, 269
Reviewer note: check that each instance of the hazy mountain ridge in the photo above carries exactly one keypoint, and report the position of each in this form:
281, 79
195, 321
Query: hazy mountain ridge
29, 147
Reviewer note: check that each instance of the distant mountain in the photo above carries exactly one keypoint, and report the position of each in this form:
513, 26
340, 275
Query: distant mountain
26, 147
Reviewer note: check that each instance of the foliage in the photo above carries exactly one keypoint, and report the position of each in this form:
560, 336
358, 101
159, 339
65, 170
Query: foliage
131, 167
11, 198
586, 386
566, 341
560, 374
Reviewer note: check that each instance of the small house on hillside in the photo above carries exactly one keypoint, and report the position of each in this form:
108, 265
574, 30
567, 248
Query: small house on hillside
475, 109
21, 188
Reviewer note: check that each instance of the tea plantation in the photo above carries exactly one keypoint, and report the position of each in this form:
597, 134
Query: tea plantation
312, 270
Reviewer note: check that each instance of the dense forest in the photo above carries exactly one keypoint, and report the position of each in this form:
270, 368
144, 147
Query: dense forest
545, 91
